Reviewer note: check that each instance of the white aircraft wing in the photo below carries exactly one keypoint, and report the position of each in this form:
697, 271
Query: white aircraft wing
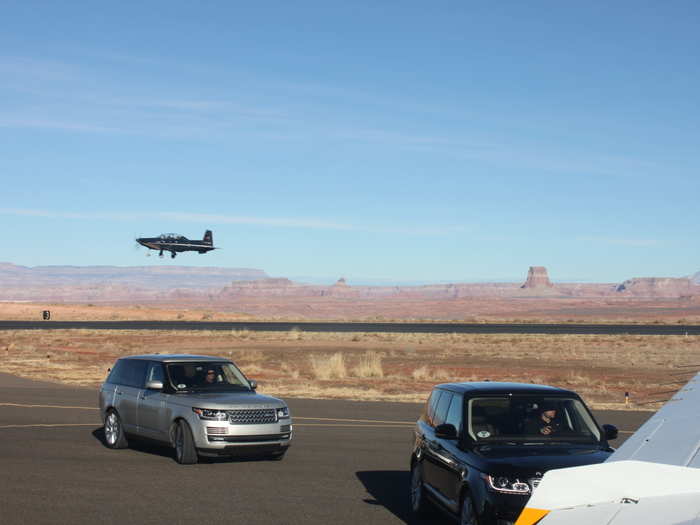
652, 479
678, 509
672, 435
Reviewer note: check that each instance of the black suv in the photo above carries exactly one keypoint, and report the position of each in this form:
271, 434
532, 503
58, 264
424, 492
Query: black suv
481, 448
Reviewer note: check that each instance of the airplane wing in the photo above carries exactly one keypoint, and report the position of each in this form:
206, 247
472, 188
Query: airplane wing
652, 479
672, 435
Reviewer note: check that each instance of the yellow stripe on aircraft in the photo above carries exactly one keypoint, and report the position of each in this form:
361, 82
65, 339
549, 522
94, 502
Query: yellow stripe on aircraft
530, 516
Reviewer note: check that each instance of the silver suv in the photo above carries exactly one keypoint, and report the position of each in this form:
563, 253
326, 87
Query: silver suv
200, 405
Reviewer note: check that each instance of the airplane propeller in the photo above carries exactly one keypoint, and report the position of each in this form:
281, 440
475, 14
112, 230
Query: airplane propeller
138, 246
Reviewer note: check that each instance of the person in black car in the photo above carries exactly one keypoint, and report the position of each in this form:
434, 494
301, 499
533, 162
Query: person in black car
546, 423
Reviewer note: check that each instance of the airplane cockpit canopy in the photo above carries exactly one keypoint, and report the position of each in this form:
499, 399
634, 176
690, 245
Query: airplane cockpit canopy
171, 236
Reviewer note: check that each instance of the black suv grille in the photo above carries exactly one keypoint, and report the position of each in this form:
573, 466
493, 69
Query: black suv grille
253, 416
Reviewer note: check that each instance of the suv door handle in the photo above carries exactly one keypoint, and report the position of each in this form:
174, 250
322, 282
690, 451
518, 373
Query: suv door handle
118, 392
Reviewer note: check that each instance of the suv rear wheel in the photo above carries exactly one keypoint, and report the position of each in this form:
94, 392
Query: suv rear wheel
185, 453
114, 430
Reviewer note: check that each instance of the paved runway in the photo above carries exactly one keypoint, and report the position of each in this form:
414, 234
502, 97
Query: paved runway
433, 328
348, 465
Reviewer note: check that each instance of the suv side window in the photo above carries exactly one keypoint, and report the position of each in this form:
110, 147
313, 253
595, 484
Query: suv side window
116, 376
134, 373
432, 404
155, 372
454, 414
441, 410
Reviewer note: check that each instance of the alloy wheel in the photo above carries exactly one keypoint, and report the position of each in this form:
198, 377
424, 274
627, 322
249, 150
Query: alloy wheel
179, 443
112, 428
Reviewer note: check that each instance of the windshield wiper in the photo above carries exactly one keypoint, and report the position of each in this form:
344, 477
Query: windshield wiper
497, 443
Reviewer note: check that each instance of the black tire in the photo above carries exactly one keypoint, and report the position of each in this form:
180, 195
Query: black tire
276, 456
114, 430
185, 452
418, 503
467, 513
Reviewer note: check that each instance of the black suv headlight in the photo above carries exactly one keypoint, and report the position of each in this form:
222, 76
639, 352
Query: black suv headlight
210, 414
283, 413
507, 484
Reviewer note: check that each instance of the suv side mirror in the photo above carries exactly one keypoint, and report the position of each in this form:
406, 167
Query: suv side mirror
446, 431
154, 385
253, 383
610, 431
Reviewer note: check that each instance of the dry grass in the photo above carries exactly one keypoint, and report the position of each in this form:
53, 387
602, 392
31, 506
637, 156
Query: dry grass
370, 365
426, 373
326, 367
601, 368
290, 371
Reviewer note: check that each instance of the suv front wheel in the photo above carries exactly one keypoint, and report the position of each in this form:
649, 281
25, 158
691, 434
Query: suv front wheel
467, 515
185, 452
419, 504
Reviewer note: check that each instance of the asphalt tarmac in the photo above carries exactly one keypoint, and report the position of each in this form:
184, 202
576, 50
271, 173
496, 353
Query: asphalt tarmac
348, 465
433, 328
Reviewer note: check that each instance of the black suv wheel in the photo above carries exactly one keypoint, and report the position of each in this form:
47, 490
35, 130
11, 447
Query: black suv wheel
420, 506
467, 515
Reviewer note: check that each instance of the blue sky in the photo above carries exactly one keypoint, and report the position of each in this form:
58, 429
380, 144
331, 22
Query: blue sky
405, 141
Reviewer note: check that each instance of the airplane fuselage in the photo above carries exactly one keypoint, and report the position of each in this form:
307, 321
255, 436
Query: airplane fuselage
177, 243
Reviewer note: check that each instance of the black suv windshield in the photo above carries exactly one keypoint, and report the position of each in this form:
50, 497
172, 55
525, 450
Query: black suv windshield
525, 419
207, 376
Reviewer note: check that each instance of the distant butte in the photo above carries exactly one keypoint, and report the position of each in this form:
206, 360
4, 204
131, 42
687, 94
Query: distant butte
658, 287
537, 278
254, 292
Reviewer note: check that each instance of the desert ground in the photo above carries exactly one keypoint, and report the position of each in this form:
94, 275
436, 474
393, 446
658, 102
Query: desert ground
473, 310
20, 311
363, 366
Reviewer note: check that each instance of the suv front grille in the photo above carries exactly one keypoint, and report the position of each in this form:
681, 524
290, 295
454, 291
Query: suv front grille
253, 416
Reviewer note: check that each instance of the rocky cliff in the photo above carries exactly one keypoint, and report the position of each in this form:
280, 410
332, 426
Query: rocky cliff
138, 276
658, 287
537, 278
98, 283
226, 286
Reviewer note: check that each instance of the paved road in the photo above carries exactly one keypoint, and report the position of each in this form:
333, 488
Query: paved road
438, 328
347, 466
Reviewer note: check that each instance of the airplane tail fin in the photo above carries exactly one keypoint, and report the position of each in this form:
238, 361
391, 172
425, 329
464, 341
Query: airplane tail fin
208, 237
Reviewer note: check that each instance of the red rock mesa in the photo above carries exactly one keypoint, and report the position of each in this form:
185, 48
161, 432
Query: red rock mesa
537, 278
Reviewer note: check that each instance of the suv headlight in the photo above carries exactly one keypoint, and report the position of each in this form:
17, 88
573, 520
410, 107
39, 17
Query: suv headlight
210, 414
507, 484
283, 413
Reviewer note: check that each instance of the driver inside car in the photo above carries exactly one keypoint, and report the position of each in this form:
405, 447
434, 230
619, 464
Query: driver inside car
546, 423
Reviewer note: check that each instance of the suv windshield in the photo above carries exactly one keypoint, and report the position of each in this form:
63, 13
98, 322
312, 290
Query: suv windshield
526, 419
207, 376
